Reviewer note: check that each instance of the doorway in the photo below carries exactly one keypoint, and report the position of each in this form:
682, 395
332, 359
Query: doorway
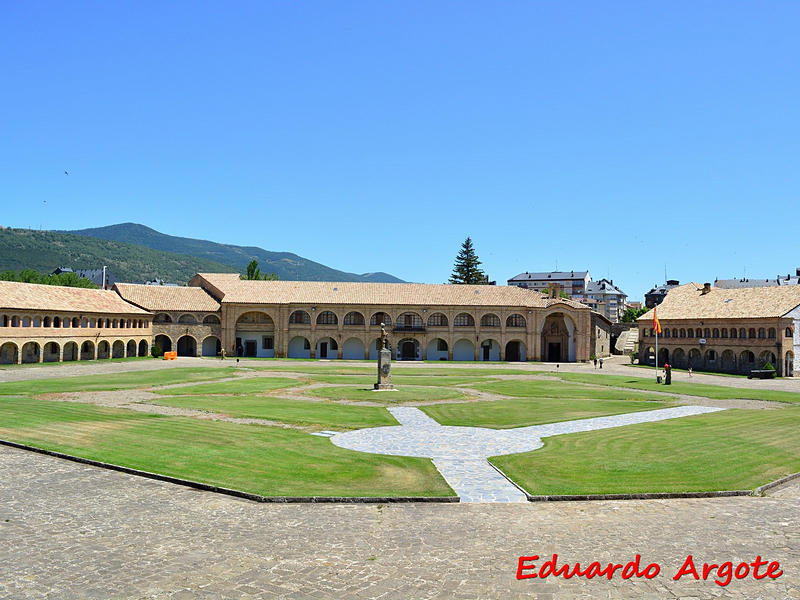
554, 352
408, 351
323, 349
250, 348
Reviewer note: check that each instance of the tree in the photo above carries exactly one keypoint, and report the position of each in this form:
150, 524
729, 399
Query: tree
631, 314
466, 268
254, 273
562, 293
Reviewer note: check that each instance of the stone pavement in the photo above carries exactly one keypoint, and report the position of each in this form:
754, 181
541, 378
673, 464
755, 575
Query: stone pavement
71, 531
460, 453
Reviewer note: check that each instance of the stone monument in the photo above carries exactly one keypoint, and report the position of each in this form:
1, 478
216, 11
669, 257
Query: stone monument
384, 363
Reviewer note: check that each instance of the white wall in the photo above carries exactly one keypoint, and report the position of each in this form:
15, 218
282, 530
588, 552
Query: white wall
297, 349
463, 350
494, 351
433, 353
353, 349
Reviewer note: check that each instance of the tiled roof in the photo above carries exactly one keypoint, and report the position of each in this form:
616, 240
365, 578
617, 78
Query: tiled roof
556, 275
688, 302
751, 283
159, 297
33, 296
238, 291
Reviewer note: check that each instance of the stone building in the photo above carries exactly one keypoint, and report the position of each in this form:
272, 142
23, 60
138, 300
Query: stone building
657, 294
185, 319
724, 330
47, 323
573, 283
312, 319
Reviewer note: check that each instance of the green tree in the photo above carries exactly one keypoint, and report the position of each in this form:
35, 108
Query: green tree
631, 314
253, 273
467, 266
561, 294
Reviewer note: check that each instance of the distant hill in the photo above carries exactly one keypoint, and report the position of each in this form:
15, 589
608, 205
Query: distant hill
286, 265
45, 250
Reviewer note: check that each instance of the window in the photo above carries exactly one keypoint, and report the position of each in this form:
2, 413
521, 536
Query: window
267, 342
724, 332
674, 332
47, 321
299, 317
327, 317
354, 318
409, 320
26, 321
380, 317
715, 333
762, 333
751, 333
464, 320
683, 333
306, 344
742, 333
490, 321
209, 320
707, 332
771, 333
437, 320
734, 333
441, 345
698, 332
711, 356
788, 332
515, 320
690, 333
666, 333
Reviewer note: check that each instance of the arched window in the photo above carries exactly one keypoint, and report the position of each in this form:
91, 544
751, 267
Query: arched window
698, 332
711, 356
762, 333
37, 321
299, 317
162, 318
690, 333
26, 321
715, 333
742, 333
207, 320
683, 333
408, 322
666, 333
707, 333
354, 318
187, 320
674, 332
76, 322
327, 317
464, 320
724, 332
771, 333
437, 320
751, 333
380, 317
515, 320
788, 332
490, 320
734, 333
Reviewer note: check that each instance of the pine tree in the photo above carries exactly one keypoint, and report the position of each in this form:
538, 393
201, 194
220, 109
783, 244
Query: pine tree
466, 268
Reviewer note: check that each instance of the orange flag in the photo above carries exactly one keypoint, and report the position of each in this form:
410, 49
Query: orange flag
656, 322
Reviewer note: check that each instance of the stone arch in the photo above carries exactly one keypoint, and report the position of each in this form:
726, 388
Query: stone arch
353, 348
15, 321
354, 318
187, 319
163, 342
409, 321
771, 333
76, 322
464, 349
186, 346
48, 322
51, 352
104, 349
437, 349
516, 320
678, 358
327, 317
209, 320
490, 320
130, 349
118, 349
9, 353
710, 358
299, 347
728, 361
767, 356
327, 347
695, 359
464, 320
143, 349
70, 351
299, 317
663, 356
788, 364
558, 338
26, 321
408, 348
30, 352
516, 351
489, 350
255, 320
438, 320
380, 317
87, 350
747, 361
212, 346
158, 318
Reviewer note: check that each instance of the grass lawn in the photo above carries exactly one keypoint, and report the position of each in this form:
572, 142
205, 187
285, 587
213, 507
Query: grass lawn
264, 460
680, 387
399, 380
676, 370
405, 394
521, 412
116, 381
295, 412
559, 389
410, 369
729, 450
245, 385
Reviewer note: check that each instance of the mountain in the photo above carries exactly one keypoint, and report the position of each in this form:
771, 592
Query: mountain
286, 265
43, 251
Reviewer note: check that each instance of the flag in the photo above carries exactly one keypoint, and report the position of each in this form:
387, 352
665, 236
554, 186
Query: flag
656, 323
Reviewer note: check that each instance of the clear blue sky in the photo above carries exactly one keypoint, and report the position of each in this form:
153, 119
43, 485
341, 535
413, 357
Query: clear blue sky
611, 136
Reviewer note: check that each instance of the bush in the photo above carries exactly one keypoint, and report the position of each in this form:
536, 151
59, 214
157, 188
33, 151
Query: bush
633, 357
155, 351
768, 366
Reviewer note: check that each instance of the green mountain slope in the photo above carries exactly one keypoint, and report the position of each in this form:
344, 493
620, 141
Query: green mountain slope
45, 250
286, 265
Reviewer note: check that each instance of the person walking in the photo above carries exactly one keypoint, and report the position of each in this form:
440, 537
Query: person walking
595, 362
601, 363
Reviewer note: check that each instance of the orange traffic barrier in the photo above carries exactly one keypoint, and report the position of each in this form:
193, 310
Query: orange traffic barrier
170, 355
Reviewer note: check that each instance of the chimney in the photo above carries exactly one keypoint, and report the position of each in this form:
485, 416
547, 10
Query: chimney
555, 290
706, 289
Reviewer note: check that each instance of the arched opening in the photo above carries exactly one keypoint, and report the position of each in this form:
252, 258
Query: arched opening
70, 351
463, 320
353, 349
30, 352
327, 348
747, 361
327, 317
299, 317
48, 322
375, 347
212, 346
255, 335
51, 352
162, 318
437, 350
558, 338
711, 360
380, 317
728, 362
767, 357
408, 349
663, 356
26, 321
437, 320
15, 321
515, 351
118, 349
187, 346
9, 354
678, 358
788, 365
210, 320
354, 318
87, 350
164, 343
463, 350
516, 320
409, 321
695, 360
490, 350
143, 348
130, 350
299, 347
103, 349
76, 322
490, 320
187, 320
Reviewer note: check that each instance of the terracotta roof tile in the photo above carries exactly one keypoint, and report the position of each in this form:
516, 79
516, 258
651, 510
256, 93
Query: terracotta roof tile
160, 297
34, 296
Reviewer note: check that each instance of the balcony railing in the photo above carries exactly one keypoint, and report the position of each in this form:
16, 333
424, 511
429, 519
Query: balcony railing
408, 328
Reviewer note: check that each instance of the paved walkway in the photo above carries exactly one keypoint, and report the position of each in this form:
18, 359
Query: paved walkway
460, 453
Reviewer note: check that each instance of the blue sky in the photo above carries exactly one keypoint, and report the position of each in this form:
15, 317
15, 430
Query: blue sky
618, 137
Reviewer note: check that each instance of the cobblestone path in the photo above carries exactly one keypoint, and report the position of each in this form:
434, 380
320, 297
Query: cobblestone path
460, 453
70, 531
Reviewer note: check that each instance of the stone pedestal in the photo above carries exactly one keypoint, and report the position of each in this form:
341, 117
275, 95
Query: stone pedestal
384, 370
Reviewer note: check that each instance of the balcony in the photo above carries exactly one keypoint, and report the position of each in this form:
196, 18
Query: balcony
417, 328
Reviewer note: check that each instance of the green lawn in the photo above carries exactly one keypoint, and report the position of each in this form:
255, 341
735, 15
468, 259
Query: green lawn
679, 387
321, 415
559, 389
405, 394
399, 380
521, 412
264, 460
411, 369
116, 381
245, 385
729, 450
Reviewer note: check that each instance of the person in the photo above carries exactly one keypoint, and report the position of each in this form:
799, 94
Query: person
690, 370
595, 363
667, 374
601, 363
